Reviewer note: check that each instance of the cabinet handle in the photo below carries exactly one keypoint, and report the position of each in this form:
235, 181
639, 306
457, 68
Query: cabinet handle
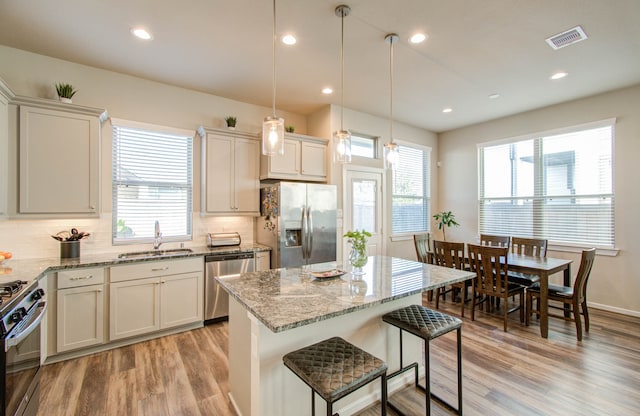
98, 290
160, 269
92, 207
81, 278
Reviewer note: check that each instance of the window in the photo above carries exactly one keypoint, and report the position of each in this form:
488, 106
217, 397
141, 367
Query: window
557, 185
410, 194
363, 145
152, 181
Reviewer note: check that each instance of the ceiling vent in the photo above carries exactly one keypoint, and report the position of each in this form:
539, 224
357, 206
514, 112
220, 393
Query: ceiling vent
567, 38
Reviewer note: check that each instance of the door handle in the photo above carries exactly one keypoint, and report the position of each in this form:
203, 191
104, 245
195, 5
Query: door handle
305, 231
310, 235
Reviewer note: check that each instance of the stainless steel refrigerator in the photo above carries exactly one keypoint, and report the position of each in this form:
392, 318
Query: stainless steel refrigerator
298, 222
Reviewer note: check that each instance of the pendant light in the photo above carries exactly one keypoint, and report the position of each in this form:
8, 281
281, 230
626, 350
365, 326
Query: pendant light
273, 126
342, 137
391, 150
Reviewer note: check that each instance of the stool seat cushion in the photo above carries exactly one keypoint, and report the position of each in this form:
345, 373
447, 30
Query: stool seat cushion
422, 322
334, 367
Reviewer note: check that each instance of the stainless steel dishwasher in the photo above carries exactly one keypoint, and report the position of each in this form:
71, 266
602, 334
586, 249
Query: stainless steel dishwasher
216, 299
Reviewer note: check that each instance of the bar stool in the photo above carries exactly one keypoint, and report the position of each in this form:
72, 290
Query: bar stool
333, 368
426, 324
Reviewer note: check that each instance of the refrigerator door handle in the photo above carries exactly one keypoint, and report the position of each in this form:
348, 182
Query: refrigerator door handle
310, 231
305, 232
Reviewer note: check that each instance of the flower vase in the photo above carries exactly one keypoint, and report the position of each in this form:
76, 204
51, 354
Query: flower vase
358, 258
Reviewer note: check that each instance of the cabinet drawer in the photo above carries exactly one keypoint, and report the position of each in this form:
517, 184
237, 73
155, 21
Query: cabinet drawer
80, 277
155, 268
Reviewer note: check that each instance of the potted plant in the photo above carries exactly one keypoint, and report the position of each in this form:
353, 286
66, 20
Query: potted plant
358, 255
289, 129
231, 122
65, 92
445, 219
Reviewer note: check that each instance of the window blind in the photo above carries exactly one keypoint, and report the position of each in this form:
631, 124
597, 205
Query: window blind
554, 186
152, 181
410, 193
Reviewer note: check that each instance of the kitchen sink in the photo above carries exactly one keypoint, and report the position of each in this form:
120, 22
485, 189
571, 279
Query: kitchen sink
154, 253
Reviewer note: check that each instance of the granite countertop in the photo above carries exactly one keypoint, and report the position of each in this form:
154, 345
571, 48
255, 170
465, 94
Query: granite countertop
284, 299
34, 269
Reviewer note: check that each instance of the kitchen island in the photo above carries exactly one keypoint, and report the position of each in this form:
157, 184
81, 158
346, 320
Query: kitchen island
277, 311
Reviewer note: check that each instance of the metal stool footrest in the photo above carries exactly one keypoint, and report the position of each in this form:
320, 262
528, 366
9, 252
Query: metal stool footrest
426, 324
333, 368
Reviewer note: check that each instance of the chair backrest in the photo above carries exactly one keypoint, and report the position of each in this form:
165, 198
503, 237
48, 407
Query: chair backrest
495, 240
448, 254
490, 265
421, 242
586, 263
529, 246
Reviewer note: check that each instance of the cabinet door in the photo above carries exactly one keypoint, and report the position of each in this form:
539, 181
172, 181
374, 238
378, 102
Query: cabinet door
134, 308
247, 183
4, 150
181, 298
218, 183
263, 261
314, 160
80, 317
289, 162
59, 162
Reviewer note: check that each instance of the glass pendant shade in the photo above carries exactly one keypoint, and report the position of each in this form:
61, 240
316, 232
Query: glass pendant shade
342, 146
273, 136
273, 126
391, 155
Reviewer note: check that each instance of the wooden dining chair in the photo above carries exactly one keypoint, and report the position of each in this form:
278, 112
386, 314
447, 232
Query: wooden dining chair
575, 296
451, 255
491, 282
495, 240
536, 247
423, 247
422, 243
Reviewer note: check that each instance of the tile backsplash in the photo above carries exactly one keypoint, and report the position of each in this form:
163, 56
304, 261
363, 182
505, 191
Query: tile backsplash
29, 239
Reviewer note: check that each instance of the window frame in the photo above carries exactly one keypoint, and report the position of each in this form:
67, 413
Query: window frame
189, 186
540, 177
374, 142
427, 151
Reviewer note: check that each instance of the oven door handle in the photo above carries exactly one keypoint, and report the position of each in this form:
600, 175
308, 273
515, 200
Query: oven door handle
35, 319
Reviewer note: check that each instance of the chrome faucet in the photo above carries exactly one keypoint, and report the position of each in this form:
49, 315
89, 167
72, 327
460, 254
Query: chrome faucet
157, 239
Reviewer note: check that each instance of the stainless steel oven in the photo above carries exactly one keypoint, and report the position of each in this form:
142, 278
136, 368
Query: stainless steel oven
20, 355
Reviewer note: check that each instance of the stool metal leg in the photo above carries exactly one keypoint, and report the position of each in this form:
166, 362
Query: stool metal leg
313, 403
459, 335
427, 379
383, 399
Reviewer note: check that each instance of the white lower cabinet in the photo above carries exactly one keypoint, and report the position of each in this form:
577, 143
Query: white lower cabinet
152, 296
80, 306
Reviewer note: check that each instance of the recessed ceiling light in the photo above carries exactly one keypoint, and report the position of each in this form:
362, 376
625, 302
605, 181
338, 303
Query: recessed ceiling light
418, 38
141, 33
327, 90
494, 96
289, 39
558, 75
447, 110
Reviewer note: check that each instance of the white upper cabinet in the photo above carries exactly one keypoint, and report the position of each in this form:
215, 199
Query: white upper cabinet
304, 159
59, 158
5, 96
230, 170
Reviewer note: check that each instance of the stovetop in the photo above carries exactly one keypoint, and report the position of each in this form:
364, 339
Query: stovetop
12, 292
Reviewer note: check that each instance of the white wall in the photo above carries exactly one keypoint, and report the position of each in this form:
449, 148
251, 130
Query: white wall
130, 98
614, 281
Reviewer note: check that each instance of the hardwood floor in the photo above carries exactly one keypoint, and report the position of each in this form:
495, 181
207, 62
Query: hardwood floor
514, 373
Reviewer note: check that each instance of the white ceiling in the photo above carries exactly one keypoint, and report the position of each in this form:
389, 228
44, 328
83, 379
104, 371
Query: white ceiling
475, 48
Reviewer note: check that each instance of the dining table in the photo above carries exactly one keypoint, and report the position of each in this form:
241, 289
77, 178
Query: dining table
542, 267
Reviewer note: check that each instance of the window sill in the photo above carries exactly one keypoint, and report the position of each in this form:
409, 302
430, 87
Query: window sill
601, 251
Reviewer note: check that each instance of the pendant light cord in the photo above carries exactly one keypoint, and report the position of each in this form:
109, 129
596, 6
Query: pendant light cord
342, 72
273, 61
391, 89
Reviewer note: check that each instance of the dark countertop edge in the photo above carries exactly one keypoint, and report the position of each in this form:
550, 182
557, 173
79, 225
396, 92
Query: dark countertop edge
303, 322
42, 266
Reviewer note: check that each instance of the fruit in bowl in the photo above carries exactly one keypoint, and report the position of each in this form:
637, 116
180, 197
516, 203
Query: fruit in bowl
5, 255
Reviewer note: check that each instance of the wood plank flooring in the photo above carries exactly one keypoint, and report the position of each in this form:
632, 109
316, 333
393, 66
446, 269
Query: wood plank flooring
514, 373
